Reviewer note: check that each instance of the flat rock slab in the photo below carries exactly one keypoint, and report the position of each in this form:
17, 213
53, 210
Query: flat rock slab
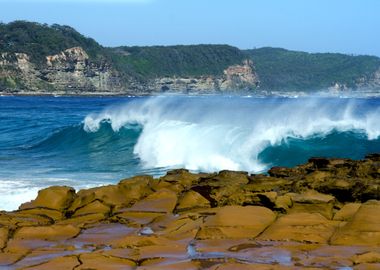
48, 233
236, 222
102, 234
184, 265
363, 229
205, 221
302, 227
61, 263
162, 201
99, 261
43, 255
137, 218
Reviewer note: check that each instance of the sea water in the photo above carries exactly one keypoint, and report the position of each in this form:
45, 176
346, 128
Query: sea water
86, 142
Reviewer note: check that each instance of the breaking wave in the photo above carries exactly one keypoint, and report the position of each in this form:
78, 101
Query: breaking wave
210, 134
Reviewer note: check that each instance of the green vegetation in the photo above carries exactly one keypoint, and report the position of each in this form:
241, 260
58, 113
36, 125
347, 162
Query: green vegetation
40, 40
192, 60
280, 69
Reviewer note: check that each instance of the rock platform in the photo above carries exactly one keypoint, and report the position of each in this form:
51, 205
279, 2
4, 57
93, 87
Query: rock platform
324, 214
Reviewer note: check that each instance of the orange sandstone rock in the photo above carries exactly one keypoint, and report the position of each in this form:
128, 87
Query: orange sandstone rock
236, 222
363, 229
191, 200
57, 198
347, 211
102, 262
302, 227
162, 201
49, 233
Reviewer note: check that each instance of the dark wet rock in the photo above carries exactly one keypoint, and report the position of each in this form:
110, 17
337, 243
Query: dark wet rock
223, 188
178, 180
283, 172
373, 157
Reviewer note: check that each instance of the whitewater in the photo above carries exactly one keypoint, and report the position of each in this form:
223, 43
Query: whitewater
85, 142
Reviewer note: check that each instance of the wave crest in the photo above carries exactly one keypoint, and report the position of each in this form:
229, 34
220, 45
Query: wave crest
230, 133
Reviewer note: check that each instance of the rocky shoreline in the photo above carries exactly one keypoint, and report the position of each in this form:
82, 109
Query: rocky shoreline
320, 215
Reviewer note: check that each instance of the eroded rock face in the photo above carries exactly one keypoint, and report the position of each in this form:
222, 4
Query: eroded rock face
320, 215
73, 72
234, 78
70, 71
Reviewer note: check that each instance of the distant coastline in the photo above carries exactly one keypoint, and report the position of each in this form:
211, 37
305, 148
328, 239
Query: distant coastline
256, 94
67, 63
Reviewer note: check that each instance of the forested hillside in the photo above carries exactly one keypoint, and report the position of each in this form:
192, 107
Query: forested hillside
281, 69
46, 58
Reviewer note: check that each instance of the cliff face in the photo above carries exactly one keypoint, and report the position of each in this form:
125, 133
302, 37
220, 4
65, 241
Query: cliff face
372, 81
71, 71
368, 82
234, 78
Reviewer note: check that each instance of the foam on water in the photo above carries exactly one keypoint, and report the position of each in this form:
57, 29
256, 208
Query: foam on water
229, 134
86, 142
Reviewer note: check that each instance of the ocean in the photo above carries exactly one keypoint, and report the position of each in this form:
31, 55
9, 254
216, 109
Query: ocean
90, 141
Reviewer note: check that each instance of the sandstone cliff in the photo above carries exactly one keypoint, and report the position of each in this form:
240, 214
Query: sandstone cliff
72, 72
234, 78
41, 59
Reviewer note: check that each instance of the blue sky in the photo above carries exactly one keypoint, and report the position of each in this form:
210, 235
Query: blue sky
347, 26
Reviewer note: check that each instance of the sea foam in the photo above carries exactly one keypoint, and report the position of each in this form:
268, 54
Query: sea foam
211, 134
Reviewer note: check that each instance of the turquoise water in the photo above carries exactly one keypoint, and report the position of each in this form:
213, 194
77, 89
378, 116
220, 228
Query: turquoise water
84, 142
